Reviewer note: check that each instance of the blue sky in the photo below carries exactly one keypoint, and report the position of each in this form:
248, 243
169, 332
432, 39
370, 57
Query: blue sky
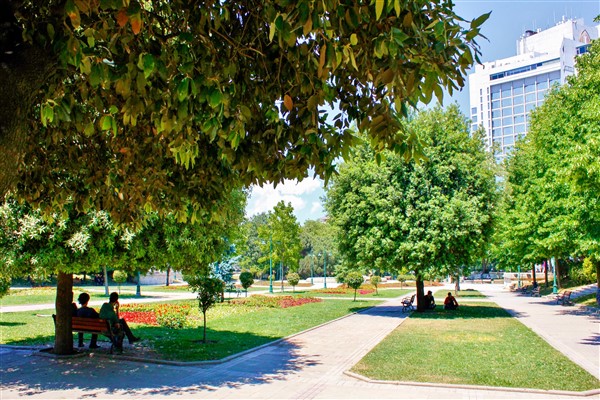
509, 19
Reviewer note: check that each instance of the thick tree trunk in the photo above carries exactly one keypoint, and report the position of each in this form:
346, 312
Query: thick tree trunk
533, 272
546, 272
557, 272
63, 338
138, 289
420, 294
457, 284
168, 273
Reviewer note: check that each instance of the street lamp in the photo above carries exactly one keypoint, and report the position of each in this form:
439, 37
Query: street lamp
271, 266
554, 286
311, 269
281, 272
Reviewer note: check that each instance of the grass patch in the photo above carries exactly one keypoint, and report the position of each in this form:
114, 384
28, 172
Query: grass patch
478, 344
232, 328
341, 292
587, 300
47, 295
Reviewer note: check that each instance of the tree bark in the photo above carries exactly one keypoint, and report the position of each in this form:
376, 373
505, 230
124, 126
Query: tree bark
168, 273
420, 294
63, 338
557, 272
457, 284
533, 272
138, 289
546, 272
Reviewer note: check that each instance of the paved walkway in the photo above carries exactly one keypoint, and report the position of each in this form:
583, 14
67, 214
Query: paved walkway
306, 366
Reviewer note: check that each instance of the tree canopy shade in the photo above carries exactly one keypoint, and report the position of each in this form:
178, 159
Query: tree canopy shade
127, 105
430, 217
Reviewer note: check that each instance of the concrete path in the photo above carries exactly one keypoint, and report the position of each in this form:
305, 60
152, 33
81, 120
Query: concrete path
306, 366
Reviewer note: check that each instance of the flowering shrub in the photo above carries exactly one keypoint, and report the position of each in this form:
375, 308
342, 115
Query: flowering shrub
274, 301
167, 315
338, 290
365, 291
172, 316
139, 317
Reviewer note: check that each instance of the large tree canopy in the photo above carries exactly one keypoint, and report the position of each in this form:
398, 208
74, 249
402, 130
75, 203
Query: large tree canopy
128, 105
430, 217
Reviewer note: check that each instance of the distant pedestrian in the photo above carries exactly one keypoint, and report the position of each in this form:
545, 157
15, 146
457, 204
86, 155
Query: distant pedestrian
450, 302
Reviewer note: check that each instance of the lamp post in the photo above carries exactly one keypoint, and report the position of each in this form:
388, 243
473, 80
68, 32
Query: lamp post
554, 285
324, 270
271, 266
281, 272
311, 269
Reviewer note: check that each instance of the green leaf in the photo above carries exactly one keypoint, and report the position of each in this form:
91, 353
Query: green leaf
476, 23
353, 39
379, 8
183, 89
215, 98
271, 31
106, 122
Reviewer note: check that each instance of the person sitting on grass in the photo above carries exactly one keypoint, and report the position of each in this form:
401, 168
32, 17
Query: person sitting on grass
450, 302
110, 311
87, 312
429, 301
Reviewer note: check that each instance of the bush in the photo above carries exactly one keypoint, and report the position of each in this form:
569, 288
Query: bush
293, 279
246, 279
208, 292
119, 277
354, 280
375, 280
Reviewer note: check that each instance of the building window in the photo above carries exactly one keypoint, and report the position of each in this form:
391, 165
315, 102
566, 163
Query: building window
496, 133
509, 140
507, 111
518, 110
508, 130
530, 98
496, 114
529, 107
506, 102
520, 128
518, 99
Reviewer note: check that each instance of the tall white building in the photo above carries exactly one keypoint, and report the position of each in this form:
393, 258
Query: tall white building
503, 92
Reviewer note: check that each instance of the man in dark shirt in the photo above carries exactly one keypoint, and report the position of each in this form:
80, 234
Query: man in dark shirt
429, 301
87, 312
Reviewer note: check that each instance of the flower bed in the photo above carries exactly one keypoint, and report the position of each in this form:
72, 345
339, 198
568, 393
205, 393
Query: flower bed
274, 301
168, 315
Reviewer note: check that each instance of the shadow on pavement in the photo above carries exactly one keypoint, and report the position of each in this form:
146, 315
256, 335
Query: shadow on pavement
92, 376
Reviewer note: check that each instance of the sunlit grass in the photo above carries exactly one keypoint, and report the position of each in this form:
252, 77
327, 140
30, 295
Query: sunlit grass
478, 344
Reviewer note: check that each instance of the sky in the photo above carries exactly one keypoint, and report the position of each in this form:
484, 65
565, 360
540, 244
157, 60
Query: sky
508, 21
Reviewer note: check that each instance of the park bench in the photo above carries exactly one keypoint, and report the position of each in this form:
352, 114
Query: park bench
233, 288
535, 292
564, 298
94, 326
407, 303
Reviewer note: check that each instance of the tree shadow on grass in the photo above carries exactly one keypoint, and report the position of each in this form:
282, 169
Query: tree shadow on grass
2, 323
467, 311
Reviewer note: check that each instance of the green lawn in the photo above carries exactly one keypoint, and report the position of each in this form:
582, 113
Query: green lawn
233, 329
47, 295
478, 344
383, 293
587, 300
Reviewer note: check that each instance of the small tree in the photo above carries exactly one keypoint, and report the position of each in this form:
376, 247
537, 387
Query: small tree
208, 291
354, 280
375, 280
293, 279
119, 277
247, 280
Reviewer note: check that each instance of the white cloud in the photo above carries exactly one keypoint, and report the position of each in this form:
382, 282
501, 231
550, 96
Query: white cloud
299, 194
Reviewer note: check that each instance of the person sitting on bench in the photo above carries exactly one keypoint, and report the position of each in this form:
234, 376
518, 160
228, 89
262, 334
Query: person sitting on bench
429, 301
87, 312
450, 302
110, 312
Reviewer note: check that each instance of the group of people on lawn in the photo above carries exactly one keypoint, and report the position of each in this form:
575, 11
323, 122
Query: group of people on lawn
108, 311
450, 302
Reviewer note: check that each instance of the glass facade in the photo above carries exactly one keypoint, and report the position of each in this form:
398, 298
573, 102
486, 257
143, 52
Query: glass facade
511, 103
